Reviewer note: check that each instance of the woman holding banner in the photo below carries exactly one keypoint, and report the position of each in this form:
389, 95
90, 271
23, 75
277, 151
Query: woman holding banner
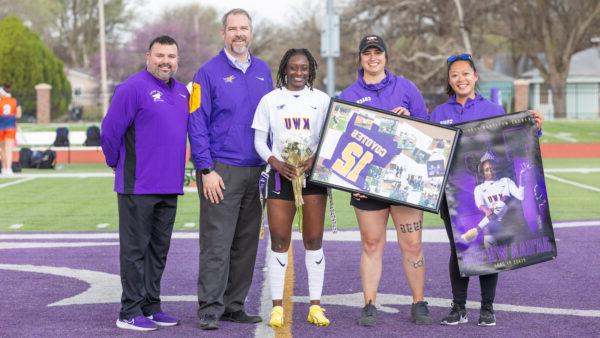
293, 115
376, 87
465, 104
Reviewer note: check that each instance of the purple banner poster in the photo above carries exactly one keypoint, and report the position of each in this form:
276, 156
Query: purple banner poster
497, 198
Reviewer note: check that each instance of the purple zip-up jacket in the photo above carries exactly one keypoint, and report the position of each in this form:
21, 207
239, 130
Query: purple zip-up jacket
452, 112
393, 91
222, 108
144, 135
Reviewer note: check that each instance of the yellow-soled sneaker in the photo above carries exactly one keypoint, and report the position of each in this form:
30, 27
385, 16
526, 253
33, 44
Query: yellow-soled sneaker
316, 316
276, 316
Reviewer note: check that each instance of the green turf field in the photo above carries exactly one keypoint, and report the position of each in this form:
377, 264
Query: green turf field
571, 131
80, 204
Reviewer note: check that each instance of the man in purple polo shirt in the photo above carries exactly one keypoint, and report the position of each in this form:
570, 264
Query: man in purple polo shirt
144, 142
225, 93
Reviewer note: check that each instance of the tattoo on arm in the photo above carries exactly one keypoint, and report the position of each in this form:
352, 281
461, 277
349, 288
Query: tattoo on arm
418, 264
411, 227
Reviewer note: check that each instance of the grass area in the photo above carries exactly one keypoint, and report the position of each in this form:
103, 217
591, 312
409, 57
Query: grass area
555, 131
71, 168
73, 126
571, 131
560, 163
79, 204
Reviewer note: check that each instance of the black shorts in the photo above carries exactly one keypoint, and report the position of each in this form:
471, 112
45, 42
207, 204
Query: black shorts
370, 204
286, 192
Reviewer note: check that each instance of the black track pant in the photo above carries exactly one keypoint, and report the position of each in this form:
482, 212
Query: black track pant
145, 227
461, 284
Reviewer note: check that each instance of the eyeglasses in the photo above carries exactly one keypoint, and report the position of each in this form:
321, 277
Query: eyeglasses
459, 57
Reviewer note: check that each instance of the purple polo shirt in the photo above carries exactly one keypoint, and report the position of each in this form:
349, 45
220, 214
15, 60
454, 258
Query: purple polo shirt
144, 135
452, 112
393, 91
222, 108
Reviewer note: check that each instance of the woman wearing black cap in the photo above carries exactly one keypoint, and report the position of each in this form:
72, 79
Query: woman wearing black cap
376, 87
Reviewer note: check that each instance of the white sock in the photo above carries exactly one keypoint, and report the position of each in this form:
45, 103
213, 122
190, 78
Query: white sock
315, 266
485, 221
278, 263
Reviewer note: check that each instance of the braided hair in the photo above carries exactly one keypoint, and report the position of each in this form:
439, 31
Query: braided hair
312, 67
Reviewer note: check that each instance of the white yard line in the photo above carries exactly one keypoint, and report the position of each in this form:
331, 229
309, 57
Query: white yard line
572, 170
189, 225
102, 225
561, 136
8, 184
579, 185
16, 226
429, 235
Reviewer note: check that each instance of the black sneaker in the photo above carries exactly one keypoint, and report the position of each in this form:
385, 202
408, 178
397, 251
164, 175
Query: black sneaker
420, 313
241, 317
368, 316
208, 321
486, 315
457, 315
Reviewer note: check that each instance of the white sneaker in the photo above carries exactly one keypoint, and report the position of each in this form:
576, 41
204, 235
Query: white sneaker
7, 172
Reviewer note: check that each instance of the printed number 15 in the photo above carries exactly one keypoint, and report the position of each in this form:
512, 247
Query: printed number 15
347, 166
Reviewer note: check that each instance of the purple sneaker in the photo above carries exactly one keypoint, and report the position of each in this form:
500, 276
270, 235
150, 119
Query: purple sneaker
163, 319
138, 323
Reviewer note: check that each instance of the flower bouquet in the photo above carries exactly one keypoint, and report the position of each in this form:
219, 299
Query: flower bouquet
295, 152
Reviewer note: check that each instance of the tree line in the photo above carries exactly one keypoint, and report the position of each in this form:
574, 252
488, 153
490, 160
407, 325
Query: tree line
420, 34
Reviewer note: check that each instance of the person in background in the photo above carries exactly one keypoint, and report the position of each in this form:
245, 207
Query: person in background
10, 111
144, 142
377, 87
466, 104
294, 99
225, 93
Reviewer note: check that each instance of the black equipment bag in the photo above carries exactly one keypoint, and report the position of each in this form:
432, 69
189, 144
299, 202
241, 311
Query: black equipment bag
62, 137
25, 157
92, 137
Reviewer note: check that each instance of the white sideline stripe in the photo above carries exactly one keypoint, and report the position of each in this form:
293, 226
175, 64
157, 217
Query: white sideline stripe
190, 189
189, 225
574, 224
64, 175
579, 185
15, 226
102, 225
42, 245
356, 300
573, 170
16, 182
429, 235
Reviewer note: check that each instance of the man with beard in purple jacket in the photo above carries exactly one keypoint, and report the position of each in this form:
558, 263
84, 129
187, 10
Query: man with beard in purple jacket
143, 140
225, 93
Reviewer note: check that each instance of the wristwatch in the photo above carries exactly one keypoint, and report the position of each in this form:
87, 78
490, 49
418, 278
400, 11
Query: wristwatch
206, 171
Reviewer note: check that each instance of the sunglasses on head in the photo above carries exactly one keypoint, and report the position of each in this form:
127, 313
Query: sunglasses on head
459, 57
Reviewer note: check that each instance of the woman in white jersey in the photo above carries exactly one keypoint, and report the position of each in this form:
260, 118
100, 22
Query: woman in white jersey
293, 110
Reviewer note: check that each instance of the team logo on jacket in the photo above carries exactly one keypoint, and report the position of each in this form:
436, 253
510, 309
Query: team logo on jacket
448, 121
156, 96
280, 107
363, 100
229, 79
260, 78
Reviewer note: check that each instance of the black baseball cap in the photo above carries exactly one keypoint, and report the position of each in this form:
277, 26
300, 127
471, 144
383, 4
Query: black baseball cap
371, 41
